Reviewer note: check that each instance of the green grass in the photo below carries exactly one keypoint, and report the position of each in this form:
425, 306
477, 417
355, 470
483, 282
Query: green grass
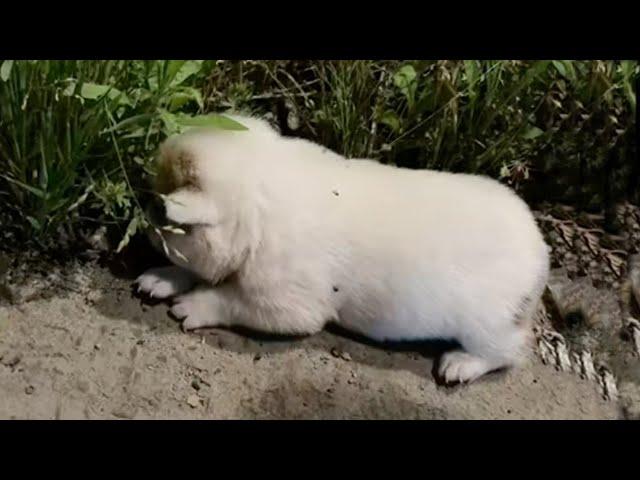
77, 138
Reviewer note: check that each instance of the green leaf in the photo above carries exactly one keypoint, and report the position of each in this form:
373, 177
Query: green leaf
5, 70
82, 198
173, 67
390, 119
70, 89
628, 67
36, 191
571, 71
184, 95
186, 70
405, 80
404, 76
560, 67
130, 122
138, 133
213, 121
132, 228
532, 132
170, 122
473, 74
174, 230
94, 91
34, 223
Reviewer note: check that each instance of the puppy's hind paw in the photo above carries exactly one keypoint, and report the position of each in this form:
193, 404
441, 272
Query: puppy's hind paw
461, 367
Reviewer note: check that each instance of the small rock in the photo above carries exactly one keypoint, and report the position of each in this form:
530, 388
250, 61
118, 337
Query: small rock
193, 401
140, 342
338, 354
97, 346
83, 386
124, 412
12, 361
29, 390
195, 384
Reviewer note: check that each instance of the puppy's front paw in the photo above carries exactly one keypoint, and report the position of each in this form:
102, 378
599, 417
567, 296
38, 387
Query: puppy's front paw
165, 282
195, 310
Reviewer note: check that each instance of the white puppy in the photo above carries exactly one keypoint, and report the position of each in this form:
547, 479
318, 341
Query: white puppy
283, 235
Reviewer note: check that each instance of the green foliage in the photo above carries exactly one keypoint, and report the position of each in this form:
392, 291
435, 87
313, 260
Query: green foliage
78, 138
74, 133
562, 130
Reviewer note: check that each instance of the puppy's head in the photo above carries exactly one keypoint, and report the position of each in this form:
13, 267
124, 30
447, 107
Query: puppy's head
200, 195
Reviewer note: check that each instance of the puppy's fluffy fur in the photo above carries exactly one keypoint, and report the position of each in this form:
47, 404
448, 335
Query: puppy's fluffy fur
284, 235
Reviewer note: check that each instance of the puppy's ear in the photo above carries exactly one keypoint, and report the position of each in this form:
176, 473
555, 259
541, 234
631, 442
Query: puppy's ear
189, 207
176, 168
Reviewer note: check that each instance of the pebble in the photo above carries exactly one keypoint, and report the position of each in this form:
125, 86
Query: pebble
12, 361
124, 412
29, 390
193, 401
338, 354
83, 386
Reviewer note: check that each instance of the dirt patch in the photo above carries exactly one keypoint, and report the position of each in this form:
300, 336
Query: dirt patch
93, 350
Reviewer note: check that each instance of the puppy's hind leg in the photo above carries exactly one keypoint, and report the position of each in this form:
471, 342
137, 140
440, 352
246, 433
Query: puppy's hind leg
484, 351
165, 282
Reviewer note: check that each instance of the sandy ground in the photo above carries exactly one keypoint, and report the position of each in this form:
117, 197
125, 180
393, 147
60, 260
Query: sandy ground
95, 351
